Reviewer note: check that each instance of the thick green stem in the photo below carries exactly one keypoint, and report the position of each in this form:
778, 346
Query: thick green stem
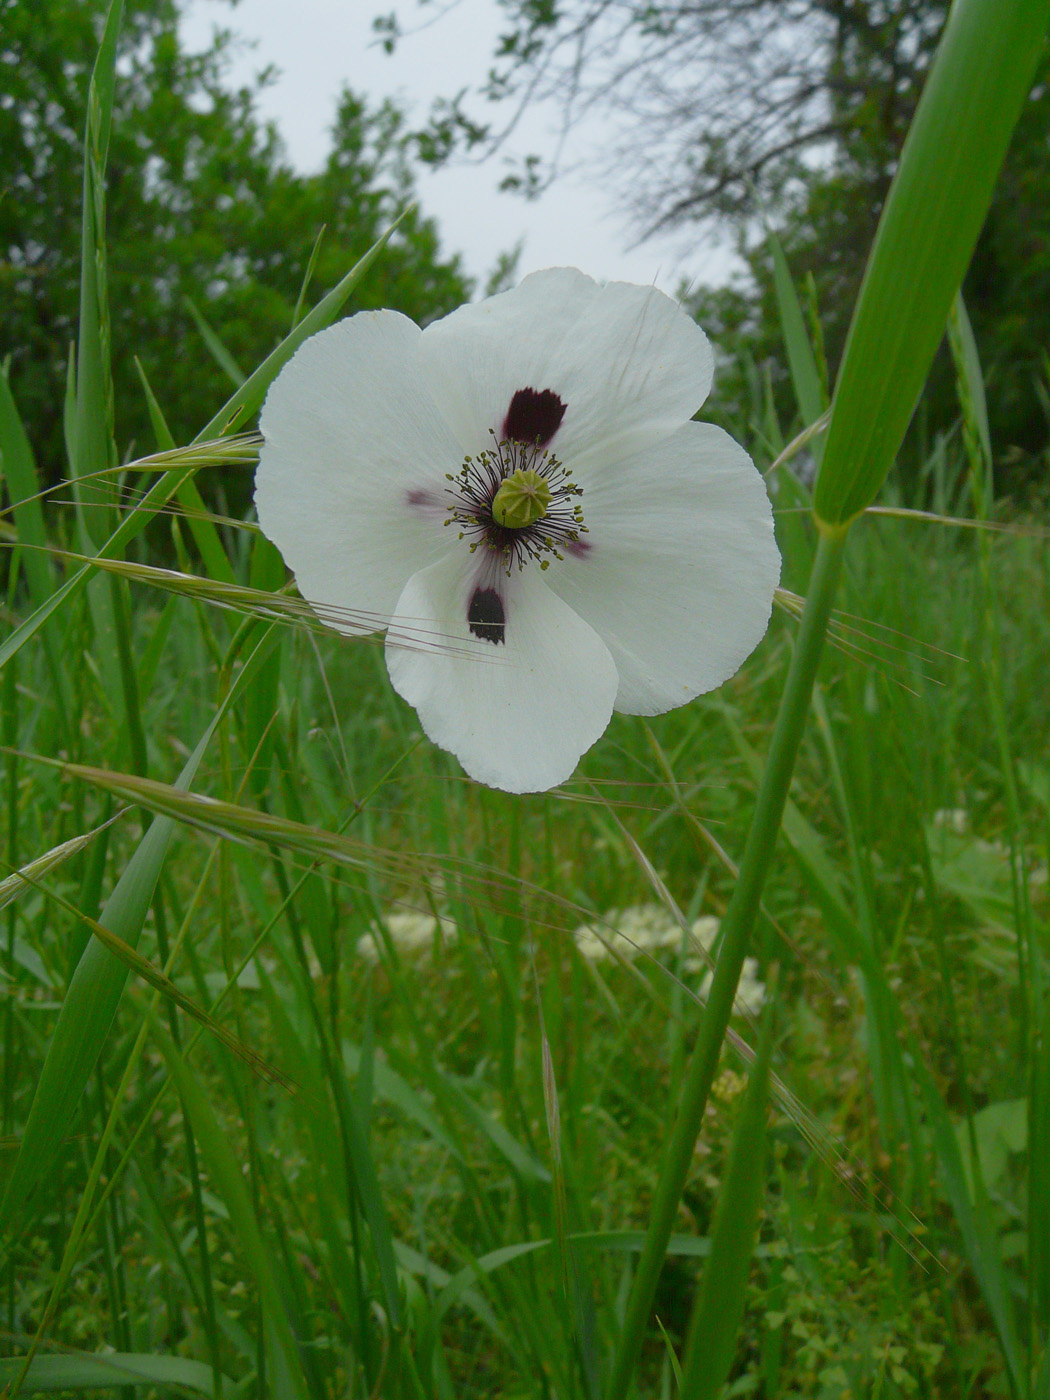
736, 934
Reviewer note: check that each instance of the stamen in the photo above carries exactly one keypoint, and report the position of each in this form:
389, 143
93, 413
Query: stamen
553, 521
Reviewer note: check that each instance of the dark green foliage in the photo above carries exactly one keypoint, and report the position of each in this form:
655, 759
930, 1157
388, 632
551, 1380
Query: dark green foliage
1007, 289
201, 204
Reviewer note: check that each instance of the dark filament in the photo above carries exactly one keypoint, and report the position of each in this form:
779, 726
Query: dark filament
474, 489
486, 616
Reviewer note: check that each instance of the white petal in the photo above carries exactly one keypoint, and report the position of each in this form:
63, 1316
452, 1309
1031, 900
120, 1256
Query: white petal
680, 567
350, 433
517, 714
625, 360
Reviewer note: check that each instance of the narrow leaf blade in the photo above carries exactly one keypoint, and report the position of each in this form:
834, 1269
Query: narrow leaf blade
719, 1308
933, 214
50, 1373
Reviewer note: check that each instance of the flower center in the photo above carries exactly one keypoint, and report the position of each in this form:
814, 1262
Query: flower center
518, 501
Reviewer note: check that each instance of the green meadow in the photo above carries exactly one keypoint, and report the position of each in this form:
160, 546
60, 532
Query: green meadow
328, 1072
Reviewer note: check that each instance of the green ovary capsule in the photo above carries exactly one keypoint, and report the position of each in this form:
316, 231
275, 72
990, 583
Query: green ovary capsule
521, 500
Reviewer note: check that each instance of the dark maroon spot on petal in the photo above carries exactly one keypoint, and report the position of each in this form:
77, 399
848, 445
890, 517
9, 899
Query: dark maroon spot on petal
534, 417
579, 549
486, 616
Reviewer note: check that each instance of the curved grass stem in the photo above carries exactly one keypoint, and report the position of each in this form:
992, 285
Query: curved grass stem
736, 934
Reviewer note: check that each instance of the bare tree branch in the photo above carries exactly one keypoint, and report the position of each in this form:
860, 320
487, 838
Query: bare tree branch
716, 104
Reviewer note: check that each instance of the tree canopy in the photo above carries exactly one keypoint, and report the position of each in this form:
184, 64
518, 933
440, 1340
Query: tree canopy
790, 114
203, 211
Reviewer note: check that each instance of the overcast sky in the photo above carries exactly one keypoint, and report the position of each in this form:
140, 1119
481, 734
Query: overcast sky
318, 45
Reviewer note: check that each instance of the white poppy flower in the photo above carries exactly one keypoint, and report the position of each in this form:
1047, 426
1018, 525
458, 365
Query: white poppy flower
518, 495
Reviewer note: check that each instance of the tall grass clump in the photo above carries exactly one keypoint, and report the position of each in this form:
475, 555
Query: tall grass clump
722, 1069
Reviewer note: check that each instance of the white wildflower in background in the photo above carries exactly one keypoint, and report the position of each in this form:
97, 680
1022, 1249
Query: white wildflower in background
409, 932
518, 495
644, 928
955, 819
639, 928
704, 931
591, 945
750, 991
649, 928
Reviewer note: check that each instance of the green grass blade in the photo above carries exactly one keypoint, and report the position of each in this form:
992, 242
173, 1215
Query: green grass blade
51, 1373
600, 1241
526, 1166
217, 350
92, 436
259, 734
93, 996
247, 400
239, 407
359, 1162
1041, 1385
366, 1183
26, 875
161, 431
300, 301
262, 604
313, 1110
16, 462
805, 376
736, 931
975, 1224
398, 1093
19, 469
285, 1376
239, 823
854, 948
160, 982
948, 168
94, 389
713, 1328
87, 1013
1039, 1177
971, 375
157, 497
202, 528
